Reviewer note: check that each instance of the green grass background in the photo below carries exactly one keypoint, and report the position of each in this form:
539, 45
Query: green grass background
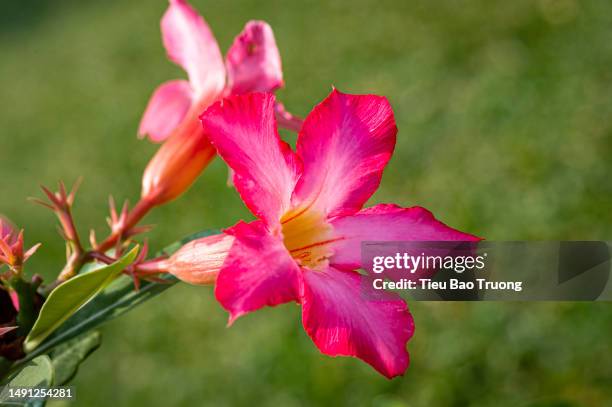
504, 112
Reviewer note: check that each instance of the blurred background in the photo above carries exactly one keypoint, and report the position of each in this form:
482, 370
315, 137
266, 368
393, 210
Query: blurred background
504, 112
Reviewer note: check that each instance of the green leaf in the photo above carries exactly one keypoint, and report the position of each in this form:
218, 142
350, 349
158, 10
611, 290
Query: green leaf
67, 357
36, 373
118, 298
68, 297
5, 366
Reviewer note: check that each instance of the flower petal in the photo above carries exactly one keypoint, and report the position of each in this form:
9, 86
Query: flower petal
341, 321
6, 329
14, 299
345, 143
6, 227
253, 62
190, 44
286, 120
387, 222
257, 272
243, 130
166, 108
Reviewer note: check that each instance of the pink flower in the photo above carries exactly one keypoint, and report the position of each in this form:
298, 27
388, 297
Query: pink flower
305, 245
252, 64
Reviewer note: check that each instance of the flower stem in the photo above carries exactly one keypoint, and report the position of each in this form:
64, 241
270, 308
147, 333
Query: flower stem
136, 214
78, 257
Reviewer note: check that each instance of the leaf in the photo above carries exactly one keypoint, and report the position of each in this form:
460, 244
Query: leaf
36, 373
70, 296
117, 299
5, 366
67, 357
36, 403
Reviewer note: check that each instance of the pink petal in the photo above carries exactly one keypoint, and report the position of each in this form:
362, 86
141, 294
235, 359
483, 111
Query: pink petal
387, 222
14, 299
257, 272
6, 227
190, 44
166, 108
30, 252
6, 329
342, 322
287, 120
243, 130
345, 143
253, 62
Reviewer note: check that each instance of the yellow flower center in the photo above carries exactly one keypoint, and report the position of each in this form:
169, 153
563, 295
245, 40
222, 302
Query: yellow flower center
306, 235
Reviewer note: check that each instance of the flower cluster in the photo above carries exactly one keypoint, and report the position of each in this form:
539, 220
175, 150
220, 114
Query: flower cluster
304, 246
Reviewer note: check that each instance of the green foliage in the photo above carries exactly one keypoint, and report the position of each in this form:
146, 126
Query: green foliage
54, 370
118, 298
36, 373
75, 340
67, 357
68, 297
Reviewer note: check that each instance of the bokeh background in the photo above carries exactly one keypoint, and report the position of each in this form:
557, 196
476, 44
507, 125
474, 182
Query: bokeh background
505, 130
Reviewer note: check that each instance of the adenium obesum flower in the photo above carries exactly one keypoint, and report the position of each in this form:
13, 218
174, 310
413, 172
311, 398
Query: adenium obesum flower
305, 245
252, 64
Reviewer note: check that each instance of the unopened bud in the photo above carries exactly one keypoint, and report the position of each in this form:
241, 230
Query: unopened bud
11, 246
199, 261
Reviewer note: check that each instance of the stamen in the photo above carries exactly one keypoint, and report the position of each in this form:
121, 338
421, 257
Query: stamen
306, 235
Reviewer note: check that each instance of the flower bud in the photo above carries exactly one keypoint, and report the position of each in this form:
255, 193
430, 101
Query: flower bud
199, 261
11, 246
177, 163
